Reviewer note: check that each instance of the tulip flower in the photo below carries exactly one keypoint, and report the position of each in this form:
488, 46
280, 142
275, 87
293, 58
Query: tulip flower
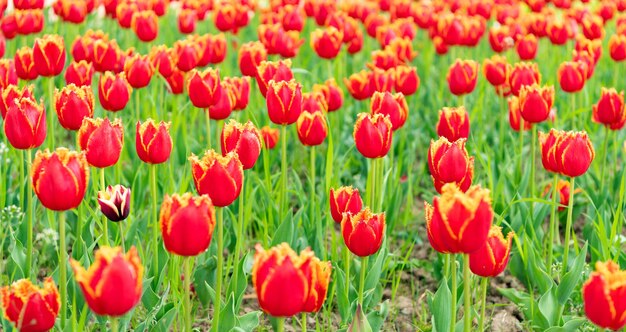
318, 285
524, 73
29, 307
145, 24
225, 104
547, 143
563, 192
491, 259
12, 93
284, 101
515, 115
25, 64
314, 102
393, 106
372, 135
270, 137
72, 11
244, 139
204, 88
332, 94
574, 153
360, 85
25, 124
113, 91
162, 60
382, 80
219, 177
153, 142
462, 77
102, 141
115, 202
281, 279
187, 54
79, 73
112, 285
187, 21
138, 70
277, 71
459, 222
344, 200
49, 55
60, 178
609, 110
535, 102
312, 128
326, 42
603, 296
572, 76
8, 74
250, 56
175, 82
527, 47
406, 80
106, 55
73, 104
617, 47
240, 86
449, 162
454, 123
496, 70
187, 223
363, 232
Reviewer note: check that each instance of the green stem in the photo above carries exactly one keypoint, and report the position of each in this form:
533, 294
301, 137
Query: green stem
553, 219
105, 223
137, 105
21, 178
380, 176
483, 293
533, 149
467, 316
188, 262
120, 226
268, 186
220, 265
280, 324
346, 266
51, 111
155, 223
605, 146
240, 231
303, 322
283, 172
114, 324
521, 149
362, 278
62, 269
29, 216
208, 128
568, 227
454, 287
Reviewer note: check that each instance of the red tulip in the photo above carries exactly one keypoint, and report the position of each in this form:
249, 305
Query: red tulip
333, 95
318, 285
113, 91
454, 123
102, 141
25, 64
574, 153
204, 87
12, 93
25, 123
244, 139
462, 77
326, 42
284, 101
491, 259
240, 86
250, 56
406, 80
524, 73
344, 200
535, 102
603, 296
220, 177
138, 70
270, 137
73, 104
363, 232
609, 110
60, 178
153, 142
617, 47
162, 60
29, 307
187, 224
145, 24
572, 76
269, 70
79, 73
8, 74
496, 70
515, 115
391, 105
360, 85
372, 135
49, 55
449, 162
312, 128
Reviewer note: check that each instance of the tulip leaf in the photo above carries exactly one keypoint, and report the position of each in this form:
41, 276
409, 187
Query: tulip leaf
440, 307
228, 319
149, 297
203, 275
374, 270
572, 278
572, 325
342, 296
548, 305
285, 232
249, 321
536, 270
360, 322
377, 318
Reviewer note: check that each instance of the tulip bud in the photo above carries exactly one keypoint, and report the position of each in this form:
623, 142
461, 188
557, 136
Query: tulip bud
344, 200
112, 285
382, 80
281, 279
406, 80
25, 124
318, 285
162, 60
454, 123
102, 141
153, 142
220, 177
73, 104
459, 222
187, 54
535, 102
204, 87
270, 137
360, 85
363, 232
491, 259
240, 86
244, 139
277, 71
515, 115
572, 76
12, 93
449, 162
462, 77
79, 73
106, 55
312, 128
603, 296
138, 70
250, 56
393, 106
187, 19
332, 94
574, 153
372, 135
187, 223
49, 55
60, 178
326, 42
72, 11
115, 202
25, 64
113, 91
29, 307
496, 70
524, 73
527, 47
145, 24
284, 101
609, 110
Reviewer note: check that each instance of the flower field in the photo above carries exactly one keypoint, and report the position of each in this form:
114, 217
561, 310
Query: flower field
287, 165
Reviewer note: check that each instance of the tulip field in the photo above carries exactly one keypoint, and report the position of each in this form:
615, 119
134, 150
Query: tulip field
312, 165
